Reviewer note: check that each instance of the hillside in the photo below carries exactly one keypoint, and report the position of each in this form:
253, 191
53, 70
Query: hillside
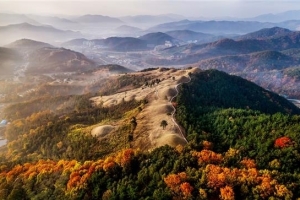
9, 59
53, 60
27, 44
228, 91
238, 136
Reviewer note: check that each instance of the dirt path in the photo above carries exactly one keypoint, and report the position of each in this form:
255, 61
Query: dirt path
173, 113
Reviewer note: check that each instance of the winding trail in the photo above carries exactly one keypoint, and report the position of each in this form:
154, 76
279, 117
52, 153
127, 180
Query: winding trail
173, 113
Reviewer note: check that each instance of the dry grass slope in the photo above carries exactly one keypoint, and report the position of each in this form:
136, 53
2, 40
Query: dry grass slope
148, 133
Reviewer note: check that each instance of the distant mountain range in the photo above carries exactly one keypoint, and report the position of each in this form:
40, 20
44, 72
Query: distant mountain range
213, 27
279, 40
99, 26
92, 25
145, 42
49, 34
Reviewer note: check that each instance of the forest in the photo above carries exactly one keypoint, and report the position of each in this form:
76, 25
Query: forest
242, 144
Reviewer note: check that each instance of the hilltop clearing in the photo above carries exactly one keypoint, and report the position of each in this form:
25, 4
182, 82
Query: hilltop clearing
158, 92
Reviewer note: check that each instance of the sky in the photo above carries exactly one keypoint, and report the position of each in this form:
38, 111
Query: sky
116, 8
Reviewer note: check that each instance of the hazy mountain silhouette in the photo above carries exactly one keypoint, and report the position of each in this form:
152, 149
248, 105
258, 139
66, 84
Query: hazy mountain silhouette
49, 34
213, 27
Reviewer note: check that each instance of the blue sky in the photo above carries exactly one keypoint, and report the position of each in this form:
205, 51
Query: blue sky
199, 8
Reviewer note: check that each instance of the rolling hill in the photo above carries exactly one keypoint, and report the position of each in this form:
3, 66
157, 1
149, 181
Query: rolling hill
27, 45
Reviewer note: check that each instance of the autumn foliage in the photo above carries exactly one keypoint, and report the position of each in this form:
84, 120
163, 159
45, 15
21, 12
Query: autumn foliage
283, 142
177, 183
227, 193
208, 157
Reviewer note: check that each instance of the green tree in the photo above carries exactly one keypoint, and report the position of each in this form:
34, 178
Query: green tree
163, 123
